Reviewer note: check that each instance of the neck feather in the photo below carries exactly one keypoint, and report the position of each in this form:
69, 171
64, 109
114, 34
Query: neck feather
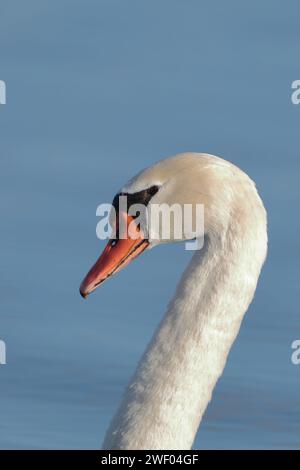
173, 384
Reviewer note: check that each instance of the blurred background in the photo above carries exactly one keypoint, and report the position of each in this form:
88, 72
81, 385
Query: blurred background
96, 91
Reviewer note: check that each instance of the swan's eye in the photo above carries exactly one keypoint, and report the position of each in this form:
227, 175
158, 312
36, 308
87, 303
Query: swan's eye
153, 190
114, 242
140, 197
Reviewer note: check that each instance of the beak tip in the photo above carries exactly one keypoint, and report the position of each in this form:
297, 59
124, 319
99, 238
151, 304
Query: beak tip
83, 293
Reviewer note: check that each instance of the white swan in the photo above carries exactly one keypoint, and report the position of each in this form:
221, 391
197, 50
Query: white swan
173, 383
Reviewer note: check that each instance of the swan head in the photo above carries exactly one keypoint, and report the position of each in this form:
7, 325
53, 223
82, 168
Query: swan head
171, 199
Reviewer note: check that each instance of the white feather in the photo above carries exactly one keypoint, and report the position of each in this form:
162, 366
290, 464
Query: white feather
174, 381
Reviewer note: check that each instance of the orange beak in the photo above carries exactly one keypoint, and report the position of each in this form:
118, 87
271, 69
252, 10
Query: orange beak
116, 255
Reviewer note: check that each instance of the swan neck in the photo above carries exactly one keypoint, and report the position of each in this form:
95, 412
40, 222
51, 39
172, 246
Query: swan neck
174, 381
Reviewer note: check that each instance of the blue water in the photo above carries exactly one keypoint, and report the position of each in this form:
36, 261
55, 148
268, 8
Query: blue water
97, 90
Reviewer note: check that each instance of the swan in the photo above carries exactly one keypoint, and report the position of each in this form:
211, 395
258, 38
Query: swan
173, 383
